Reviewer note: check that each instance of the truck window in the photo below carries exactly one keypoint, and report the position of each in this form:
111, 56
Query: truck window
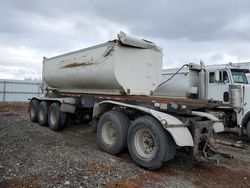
211, 77
239, 76
225, 77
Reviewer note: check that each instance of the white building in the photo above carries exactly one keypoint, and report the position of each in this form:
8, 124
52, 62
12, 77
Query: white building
19, 90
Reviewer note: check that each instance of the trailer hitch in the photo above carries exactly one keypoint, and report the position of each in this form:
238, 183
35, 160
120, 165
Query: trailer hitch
204, 144
211, 153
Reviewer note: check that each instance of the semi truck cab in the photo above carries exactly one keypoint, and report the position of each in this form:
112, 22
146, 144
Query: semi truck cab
220, 78
230, 85
227, 84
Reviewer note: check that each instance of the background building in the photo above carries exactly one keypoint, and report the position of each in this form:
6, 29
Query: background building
19, 90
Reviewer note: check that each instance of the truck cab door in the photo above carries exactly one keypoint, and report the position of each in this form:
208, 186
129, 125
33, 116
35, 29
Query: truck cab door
218, 89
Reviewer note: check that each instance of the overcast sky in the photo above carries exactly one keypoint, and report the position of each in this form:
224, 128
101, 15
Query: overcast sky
216, 31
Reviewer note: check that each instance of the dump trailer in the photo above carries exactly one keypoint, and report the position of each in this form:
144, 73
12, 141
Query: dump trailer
111, 86
225, 83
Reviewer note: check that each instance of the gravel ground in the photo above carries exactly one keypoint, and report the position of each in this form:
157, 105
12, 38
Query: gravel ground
35, 156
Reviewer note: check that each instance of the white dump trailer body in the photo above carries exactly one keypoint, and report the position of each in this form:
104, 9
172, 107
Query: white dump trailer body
182, 84
123, 66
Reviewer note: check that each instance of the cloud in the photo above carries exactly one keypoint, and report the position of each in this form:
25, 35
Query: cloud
216, 31
192, 20
19, 73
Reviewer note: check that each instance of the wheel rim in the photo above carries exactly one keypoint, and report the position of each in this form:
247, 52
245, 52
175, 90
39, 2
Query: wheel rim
52, 117
109, 133
145, 144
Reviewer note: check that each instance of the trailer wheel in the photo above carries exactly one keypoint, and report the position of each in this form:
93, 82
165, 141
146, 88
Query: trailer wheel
56, 118
248, 129
148, 144
43, 109
112, 131
172, 146
33, 110
93, 126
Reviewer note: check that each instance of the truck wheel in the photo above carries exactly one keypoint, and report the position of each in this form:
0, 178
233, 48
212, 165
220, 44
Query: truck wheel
172, 146
112, 131
248, 129
56, 118
93, 126
33, 110
43, 109
148, 144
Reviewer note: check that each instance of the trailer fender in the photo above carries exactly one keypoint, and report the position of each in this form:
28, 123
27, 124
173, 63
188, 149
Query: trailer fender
67, 104
174, 126
217, 124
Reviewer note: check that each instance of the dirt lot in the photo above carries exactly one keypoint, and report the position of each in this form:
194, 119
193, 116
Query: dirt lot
35, 156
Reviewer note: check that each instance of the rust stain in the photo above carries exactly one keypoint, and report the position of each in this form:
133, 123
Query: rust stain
73, 65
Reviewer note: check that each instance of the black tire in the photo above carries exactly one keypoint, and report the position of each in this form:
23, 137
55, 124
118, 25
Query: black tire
33, 110
43, 110
93, 126
148, 143
56, 119
110, 122
248, 129
171, 143
172, 147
